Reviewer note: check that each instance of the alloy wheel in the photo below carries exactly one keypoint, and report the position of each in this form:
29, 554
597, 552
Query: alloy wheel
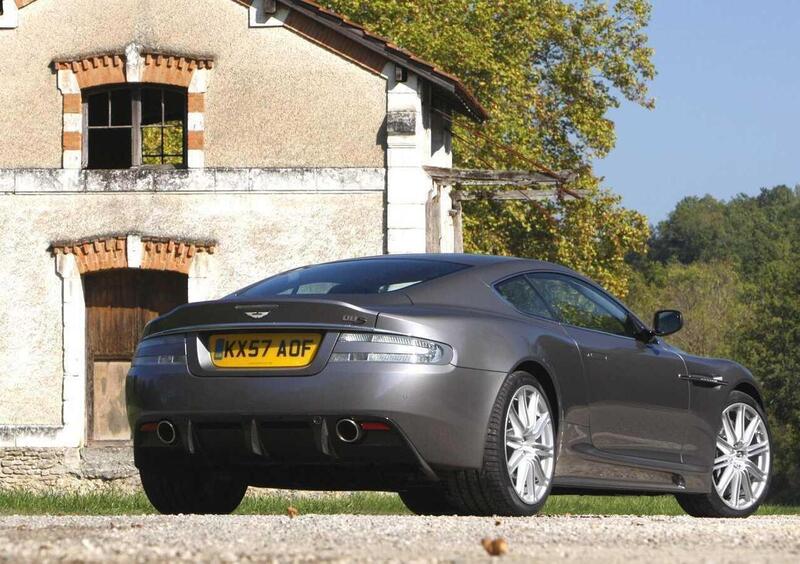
529, 440
742, 460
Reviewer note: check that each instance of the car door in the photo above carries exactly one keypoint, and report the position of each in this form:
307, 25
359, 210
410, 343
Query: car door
638, 405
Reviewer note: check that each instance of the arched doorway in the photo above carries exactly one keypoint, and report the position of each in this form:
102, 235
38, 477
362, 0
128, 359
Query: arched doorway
119, 303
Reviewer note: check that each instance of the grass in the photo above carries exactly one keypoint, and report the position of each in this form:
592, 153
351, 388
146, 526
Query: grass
25, 503
634, 505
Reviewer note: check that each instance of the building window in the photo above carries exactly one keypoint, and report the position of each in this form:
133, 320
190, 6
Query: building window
135, 126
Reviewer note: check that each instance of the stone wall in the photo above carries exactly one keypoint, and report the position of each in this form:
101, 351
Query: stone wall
263, 221
68, 470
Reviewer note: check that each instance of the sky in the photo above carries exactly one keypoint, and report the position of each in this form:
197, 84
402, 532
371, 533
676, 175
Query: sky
727, 117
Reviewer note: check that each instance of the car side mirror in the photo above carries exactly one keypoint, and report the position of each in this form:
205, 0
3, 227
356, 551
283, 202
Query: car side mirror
667, 321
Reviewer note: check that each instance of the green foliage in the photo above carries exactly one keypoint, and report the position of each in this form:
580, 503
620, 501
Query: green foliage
709, 294
548, 71
759, 239
696, 230
163, 145
751, 231
770, 346
592, 235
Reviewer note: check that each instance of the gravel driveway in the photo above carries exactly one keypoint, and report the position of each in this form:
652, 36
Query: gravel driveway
362, 538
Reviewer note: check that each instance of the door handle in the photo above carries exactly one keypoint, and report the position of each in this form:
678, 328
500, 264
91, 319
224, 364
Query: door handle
596, 356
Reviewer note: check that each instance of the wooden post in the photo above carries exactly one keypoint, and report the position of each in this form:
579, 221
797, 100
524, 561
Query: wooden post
433, 221
458, 224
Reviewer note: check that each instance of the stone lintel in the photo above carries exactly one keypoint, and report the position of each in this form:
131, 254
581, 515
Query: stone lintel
278, 180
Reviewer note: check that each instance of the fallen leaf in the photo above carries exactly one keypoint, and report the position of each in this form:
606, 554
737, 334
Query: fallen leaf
496, 547
292, 512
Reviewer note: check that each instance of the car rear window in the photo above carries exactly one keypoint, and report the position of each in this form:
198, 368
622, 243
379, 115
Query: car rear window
371, 276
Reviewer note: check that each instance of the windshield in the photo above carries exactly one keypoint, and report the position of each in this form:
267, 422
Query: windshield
371, 276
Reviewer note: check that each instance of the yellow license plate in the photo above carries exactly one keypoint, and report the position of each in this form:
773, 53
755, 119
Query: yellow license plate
264, 350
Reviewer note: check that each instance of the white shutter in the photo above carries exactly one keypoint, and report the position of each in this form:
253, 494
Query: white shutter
10, 16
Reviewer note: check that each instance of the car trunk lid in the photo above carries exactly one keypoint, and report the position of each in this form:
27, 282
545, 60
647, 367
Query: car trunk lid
334, 313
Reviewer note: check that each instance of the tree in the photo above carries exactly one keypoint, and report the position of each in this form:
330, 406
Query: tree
709, 294
752, 243
548, 71
749, 231
697, 229
769, 346
592, 235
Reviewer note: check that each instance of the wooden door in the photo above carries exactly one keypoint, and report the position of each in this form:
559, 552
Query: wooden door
119, 303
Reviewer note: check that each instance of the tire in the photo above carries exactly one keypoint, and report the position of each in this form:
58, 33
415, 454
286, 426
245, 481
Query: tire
714, 504
192, 491
490, 491
427, 501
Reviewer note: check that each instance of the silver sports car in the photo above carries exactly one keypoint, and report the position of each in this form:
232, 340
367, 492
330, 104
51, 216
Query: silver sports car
468, 384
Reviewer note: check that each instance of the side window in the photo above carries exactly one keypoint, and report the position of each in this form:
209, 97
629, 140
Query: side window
163, 117
135, 126
519, 293
579, 304
110, 129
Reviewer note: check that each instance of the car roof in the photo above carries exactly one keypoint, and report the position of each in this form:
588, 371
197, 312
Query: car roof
490, 263
461, 258
510, 263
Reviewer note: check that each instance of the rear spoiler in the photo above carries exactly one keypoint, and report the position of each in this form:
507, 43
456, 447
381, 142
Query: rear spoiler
339, 312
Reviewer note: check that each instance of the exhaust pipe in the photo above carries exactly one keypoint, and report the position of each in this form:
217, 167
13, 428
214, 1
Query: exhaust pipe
348, 431
166, 432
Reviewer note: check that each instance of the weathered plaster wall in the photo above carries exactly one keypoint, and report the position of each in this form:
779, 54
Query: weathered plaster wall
275, 98
259, 233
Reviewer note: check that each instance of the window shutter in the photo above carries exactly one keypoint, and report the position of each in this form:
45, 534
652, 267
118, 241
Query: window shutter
9, 14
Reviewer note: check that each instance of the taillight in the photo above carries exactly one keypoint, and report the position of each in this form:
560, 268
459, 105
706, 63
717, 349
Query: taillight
169, 350
383, 347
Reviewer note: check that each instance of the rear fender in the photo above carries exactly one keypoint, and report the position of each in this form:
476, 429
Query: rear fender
499, 343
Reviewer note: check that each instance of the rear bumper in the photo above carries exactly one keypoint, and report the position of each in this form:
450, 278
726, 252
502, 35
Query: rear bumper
439, 414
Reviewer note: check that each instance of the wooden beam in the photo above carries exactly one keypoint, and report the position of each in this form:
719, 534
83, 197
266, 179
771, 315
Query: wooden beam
513, 195
465, 177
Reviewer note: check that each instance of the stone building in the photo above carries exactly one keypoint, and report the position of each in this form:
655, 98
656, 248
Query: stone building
154, 152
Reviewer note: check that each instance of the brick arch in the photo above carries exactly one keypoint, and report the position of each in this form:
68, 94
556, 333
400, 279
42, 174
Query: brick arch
100, 70
133, 251
135, 65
